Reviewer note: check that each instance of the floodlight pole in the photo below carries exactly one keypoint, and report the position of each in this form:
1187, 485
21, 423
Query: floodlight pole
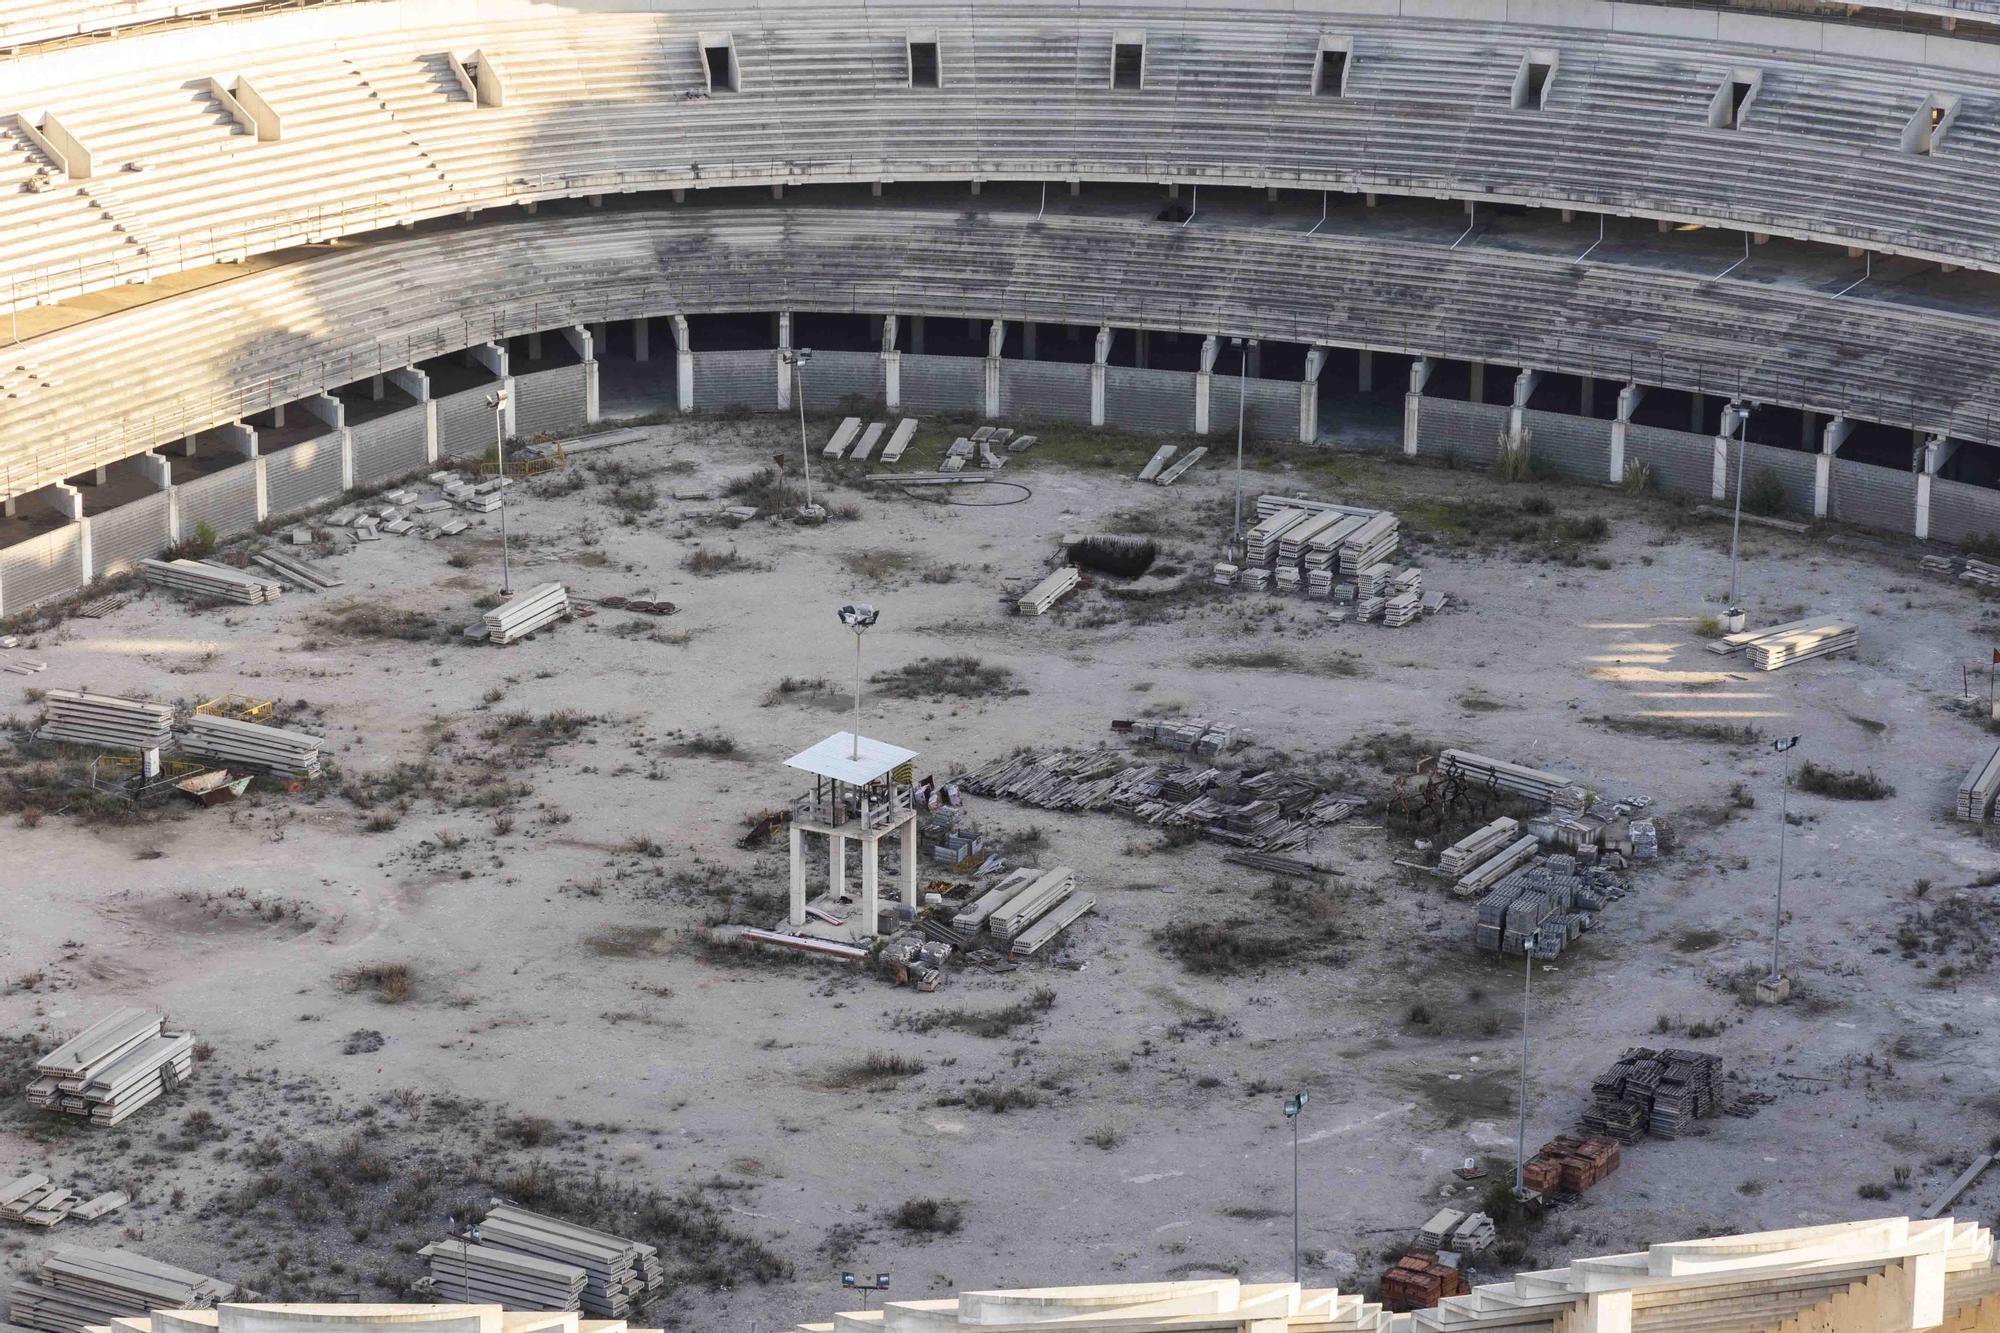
856, 754
797, 357
1242, 378
1736, 520
1295, 1104
1784, 747
1521, 1129
498, 400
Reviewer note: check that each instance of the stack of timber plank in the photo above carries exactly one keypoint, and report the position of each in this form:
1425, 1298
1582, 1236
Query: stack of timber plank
1781, 648
113, 1068
1730, 644
291, 754
525, 612
75, 1289
205, 578
1477, 846
107, 723
617, 1273
1981, 785
1499, 775
1044, 595
487, 1275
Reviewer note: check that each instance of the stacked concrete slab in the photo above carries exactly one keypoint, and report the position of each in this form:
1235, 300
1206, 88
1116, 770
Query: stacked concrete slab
617, 1272
106, 722
488, 1275
114, 1068
227, 740
74, 1289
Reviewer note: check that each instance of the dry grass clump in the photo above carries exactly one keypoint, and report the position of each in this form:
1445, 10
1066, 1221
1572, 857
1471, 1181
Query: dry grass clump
1842, 784
389, 983
959, 676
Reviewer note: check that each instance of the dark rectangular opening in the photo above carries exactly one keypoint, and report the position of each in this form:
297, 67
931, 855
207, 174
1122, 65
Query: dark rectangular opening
721, 68
1128, 66
923, 64
1332, 73
1739, 93
1537, 86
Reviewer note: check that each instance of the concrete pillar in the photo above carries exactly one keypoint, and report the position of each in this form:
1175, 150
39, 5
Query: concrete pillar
784, 339
490, 355
892, 364
599, 336
1365, 377
871, 886
1628, 403
996, 339
797, 906
1478, 376
1517, 411
66, 500
412, 381
916, 335
1204, 382
1935, 451
1028, 341
581, 340
909, 865
239, 437
327, 410
642, 340
157, 469
1413, 398
263, 487
1831, 437
430, 407
277, 416
1309, 395
1103, 352
1142, 346
836, 866
1806, 420
1697, 409
535, 346
683, 366
1586, 396
377, 390
1926, 1291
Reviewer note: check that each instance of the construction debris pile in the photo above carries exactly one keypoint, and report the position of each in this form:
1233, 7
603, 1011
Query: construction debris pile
113, 1068
75, 1289
40, 1202
1263, 810
1981, 785
405, 512
529, 1261
522, 615
1964, 568
986, 443
106, 723
211, 579
1570, 1165
1654, 1092
1331, 551
1782, 645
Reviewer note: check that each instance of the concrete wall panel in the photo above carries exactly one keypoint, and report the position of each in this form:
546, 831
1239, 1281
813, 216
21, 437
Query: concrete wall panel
389, 447
465, 425
1467, 432
1161, 400
1576, 447
1681, 462
120, 538
838, 381
726, 381
226, 501
1794, 469
40, 568
1044, 391
304, 475
1873, 497
953, 385
553, 402
1962, 513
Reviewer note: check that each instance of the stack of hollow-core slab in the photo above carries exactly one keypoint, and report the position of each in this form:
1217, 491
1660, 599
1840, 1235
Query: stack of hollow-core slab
1498, 774
1781, 648
39, 1202
1049, 591
105, 722
1031, 904
525, 612
291, 754
113, 1068
1477, 846
488, 1275
74, 1289
205, 578
1976, 793
617, 1272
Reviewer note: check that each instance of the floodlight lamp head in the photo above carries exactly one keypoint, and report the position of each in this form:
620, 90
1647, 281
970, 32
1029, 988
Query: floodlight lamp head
881, 1282
847, 1279
1294, 1104
859, 616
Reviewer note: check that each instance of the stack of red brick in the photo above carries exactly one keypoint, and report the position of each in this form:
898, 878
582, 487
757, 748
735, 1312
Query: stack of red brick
1418, 1281
1571, 1164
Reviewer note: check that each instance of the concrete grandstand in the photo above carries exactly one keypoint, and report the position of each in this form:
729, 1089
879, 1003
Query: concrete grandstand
253, 263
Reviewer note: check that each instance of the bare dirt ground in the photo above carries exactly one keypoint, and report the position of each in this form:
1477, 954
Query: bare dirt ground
464, 967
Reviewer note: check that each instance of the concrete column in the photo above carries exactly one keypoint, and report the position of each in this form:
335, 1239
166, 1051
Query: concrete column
1806, 420
535, 346
263, 488
1204, 382
836, 866
584, 341
996, 340
917, 335
1103, 352
1935, 451
1413, 398
413, 382
909, 867
1365, 378
871, 886
277, 416
1926, 1290
1587, 397
66, 500
1697, 409
683, 366
377, 390
97, 475
157, 469
327, 410
1028, 341
1142, 340
1517, 411
797, 913
1478, 375
1628, 403
239, 437
892, 364
1309, 395
430, 430
784, 337
490, 355
1831, 437
599, 335
642, 340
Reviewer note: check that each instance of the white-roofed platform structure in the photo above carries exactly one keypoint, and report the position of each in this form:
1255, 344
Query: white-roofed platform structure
860, 795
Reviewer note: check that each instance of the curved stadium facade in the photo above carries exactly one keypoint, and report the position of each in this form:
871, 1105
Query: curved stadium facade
252, 258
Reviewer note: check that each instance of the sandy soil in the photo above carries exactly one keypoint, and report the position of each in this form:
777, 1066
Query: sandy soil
537, 886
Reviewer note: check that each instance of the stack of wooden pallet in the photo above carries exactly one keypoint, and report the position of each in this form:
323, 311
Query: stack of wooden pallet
618, 1273
40, 1202
75, 1289
1781, 648
526, 612
107, 723
1049, 591
1981, 785
1654, 1091
113, 1068
476, 1274
207, 578
291, 754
